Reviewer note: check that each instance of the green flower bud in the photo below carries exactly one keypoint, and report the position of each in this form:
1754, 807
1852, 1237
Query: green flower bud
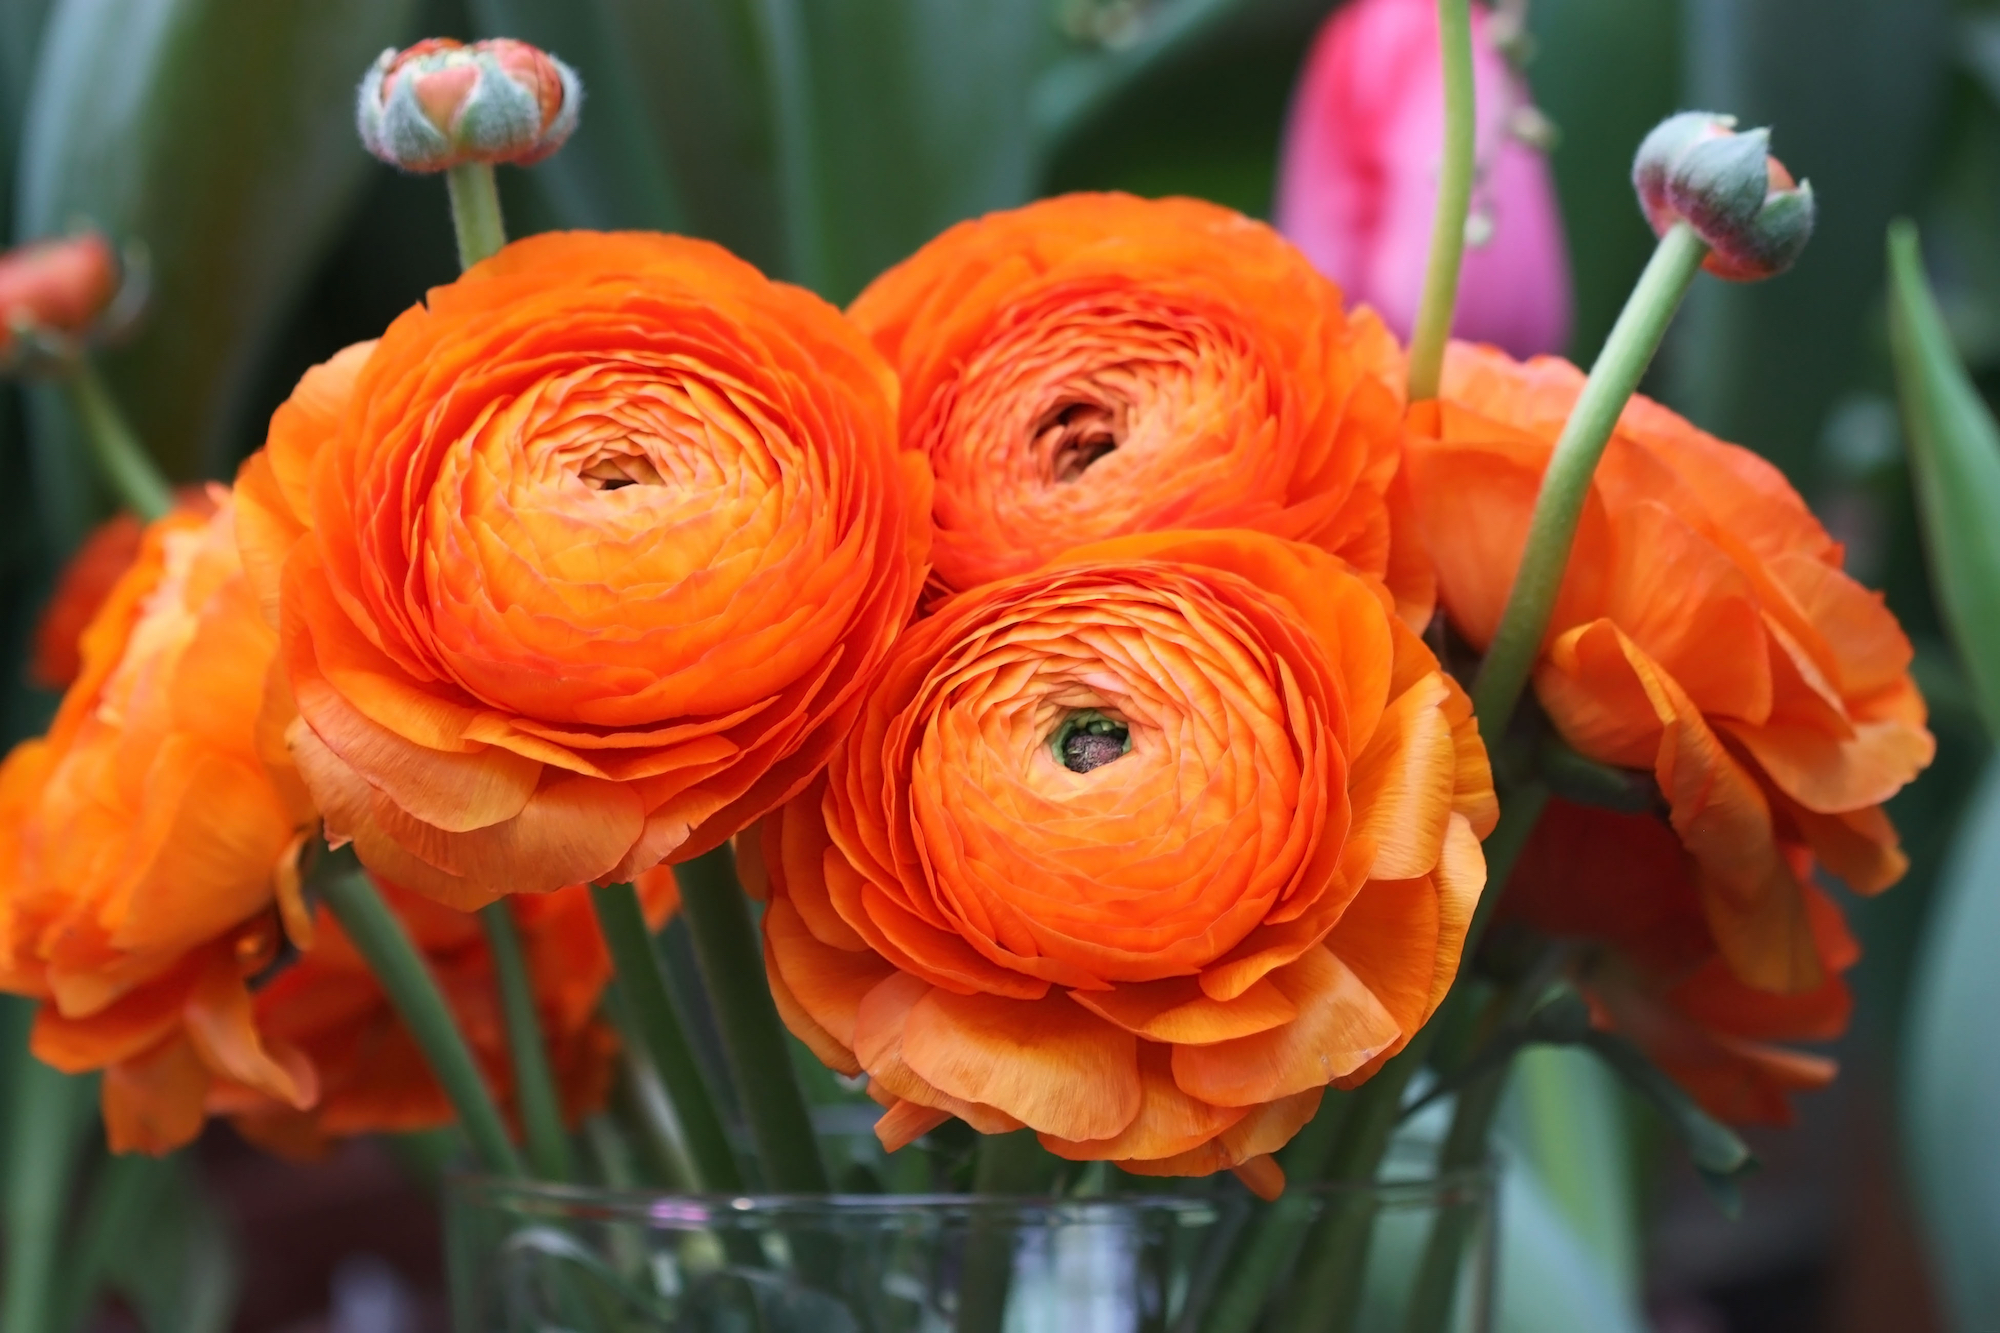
442, 103
1695, 168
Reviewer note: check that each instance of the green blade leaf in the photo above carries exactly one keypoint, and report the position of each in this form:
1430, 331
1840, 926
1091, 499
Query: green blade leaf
220, 134
1955, 457
1951, 1085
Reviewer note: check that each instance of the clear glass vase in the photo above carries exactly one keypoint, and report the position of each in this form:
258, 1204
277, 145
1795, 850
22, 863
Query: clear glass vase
528, 1257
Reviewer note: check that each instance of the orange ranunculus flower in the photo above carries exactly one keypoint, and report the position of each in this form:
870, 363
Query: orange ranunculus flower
1096, 365
373, 1077
1625, 887
85, 582
146, 849
585, 564
1704, 632
1142, 850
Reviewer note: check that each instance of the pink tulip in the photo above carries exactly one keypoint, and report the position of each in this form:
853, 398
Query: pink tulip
1358, 180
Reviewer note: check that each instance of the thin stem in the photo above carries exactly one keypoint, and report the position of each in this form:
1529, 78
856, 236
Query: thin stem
732, 969
44, 1142
1454, 202
534, 1082
121, 460
1270, 1244
1520, 810
1326, 1285
1627, 352
382, 942
475, 211
648, 1011
1008, 1165
1435, 1291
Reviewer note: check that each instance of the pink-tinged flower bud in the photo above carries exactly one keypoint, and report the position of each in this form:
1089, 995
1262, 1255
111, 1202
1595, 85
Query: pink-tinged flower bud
54, 289
1696, 168
1357, 184
441, 103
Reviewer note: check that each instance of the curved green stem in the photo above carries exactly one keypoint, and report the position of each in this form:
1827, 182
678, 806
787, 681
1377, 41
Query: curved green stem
648, 1010
121, 460
1454, 202
475, 211
381, 940
732, 968
534, 1081
1634, 340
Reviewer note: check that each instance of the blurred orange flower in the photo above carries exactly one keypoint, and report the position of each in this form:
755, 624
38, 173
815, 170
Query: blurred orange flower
86, 581
146, 850
59, 285
1096, 365
1142, 850
1651, 970
1705, 632
373, 1077
584, 565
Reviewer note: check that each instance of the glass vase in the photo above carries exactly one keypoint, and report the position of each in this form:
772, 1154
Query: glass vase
528, 1257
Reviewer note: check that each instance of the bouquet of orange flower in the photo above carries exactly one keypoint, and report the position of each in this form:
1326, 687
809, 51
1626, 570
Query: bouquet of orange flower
1100, 703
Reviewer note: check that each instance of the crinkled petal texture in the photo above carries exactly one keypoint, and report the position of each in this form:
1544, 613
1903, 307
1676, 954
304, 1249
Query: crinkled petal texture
1097, 365
374, 1078
145, 849
1705, 632
1142, 850
1651, 969
584, 564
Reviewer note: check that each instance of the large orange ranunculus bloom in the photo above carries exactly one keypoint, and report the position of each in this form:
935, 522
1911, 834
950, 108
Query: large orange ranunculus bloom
1623, 886
584, 564
1705, 632
1142, 850
373, 1077
146, 849
1096, 365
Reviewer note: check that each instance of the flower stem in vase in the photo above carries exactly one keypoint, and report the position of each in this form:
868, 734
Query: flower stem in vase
647, 1008
534, 1082
754, 1040
380, 939
1454, 203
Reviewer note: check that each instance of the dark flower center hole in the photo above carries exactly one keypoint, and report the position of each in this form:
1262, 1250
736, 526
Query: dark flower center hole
1077, 435
1089, 739
612, 472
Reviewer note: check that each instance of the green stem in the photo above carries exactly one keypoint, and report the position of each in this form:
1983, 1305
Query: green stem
1634, 340
382, 942
732, 969
475, 211
1454, 203
1271, 1242
45, 1140
534, 1082
1435, 1291
1520, 810
780, 32
121, 460
127, 1188
648, 1011
1008, 1166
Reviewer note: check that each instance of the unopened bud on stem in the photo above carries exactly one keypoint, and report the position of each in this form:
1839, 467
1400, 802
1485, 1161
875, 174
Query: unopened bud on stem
441, 104
1696, 168
59, 297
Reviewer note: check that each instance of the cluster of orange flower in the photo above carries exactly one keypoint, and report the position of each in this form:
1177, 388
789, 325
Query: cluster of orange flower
1054, 631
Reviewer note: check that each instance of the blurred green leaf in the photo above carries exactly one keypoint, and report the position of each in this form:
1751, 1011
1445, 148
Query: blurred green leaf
1951, 1100
1854, 89
180, 1270
1606, 72
1566, 1115
1955, 456
220, 134
1552, 1280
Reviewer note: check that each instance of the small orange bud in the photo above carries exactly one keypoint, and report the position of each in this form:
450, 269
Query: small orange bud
56, 286
440, 103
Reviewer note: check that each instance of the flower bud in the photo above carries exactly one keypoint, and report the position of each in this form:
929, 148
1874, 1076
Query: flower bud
54, 290
441, 103
1695, 168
